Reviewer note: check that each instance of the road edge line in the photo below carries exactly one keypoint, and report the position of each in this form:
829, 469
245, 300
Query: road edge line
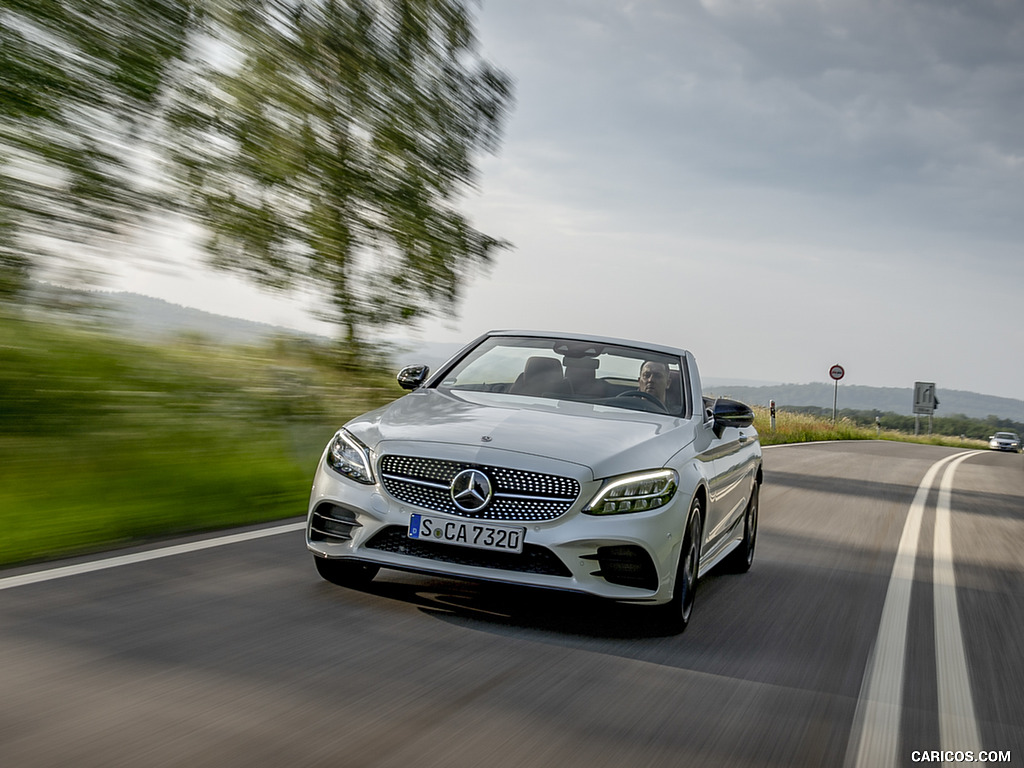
65, 571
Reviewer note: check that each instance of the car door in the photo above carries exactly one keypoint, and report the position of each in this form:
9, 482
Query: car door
733, 464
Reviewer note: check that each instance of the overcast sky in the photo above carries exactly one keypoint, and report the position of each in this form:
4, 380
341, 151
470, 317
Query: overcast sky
777, 186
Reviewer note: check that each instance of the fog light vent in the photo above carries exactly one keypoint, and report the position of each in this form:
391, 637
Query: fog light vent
330, 522
627, 566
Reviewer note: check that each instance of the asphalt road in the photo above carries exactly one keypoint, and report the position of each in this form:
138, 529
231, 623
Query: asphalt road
826, 654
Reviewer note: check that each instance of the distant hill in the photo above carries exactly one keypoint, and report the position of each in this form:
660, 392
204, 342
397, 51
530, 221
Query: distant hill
885, 399
147, 317
429, 353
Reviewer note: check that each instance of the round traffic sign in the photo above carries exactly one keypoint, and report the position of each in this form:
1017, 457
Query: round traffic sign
836, 372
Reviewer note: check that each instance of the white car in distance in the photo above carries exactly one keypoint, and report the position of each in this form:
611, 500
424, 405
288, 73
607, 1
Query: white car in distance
1005, 441
556, 461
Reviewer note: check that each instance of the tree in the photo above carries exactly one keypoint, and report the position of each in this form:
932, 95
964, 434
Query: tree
327, 143
80, 84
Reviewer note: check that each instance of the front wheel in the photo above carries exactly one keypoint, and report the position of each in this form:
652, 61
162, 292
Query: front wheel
345, 573
674, 616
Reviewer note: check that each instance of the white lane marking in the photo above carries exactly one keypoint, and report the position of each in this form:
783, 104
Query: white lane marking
958, 726
141, 557
874, 739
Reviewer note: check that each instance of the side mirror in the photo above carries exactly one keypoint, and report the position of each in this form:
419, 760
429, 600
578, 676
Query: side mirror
413, 376
731, 413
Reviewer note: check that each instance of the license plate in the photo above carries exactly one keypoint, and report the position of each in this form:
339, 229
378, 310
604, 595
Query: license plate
464, 533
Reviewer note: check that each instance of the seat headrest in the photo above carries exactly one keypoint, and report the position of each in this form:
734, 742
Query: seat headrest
543, 366
674, 392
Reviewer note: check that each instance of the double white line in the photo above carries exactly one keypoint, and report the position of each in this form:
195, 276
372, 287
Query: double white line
874, 740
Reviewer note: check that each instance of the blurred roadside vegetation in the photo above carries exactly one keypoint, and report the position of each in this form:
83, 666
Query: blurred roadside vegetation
105, 441
321, 146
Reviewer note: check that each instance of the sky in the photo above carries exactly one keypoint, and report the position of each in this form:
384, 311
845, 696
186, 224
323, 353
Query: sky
775, 185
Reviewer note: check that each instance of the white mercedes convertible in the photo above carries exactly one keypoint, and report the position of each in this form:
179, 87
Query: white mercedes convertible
577, 463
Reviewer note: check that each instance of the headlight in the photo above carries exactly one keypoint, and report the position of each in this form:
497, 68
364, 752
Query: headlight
634, 493
350, 457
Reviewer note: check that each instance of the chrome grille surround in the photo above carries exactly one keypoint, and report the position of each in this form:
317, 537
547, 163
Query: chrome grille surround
518, 495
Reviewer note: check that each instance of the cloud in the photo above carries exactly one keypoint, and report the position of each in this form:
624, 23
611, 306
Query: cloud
863, 156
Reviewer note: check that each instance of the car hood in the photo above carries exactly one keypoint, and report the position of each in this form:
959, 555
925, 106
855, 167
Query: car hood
604, 439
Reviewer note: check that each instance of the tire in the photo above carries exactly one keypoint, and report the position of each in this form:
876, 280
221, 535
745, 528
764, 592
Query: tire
345, 573
674, 616
741, 558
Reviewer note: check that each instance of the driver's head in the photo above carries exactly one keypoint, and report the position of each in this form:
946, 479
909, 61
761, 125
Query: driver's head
654, 379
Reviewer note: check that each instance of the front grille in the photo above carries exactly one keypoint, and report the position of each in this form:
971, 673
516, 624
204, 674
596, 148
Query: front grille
534, 558
518, 495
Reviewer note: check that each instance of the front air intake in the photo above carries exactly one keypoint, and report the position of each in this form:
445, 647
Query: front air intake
627, 566
330, 522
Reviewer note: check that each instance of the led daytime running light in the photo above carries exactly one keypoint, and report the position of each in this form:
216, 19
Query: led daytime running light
635, 493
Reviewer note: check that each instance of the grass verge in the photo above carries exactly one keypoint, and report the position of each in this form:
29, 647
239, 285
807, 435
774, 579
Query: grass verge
793, 427
104, 442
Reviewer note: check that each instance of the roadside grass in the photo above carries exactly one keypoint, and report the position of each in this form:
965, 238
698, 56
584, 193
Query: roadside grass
98, 490
791, 427
105, 442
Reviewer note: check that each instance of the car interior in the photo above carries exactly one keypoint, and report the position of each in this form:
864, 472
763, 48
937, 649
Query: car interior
576, 378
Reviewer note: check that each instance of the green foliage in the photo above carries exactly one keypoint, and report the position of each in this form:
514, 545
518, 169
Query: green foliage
332, 147
321, 142
79, 86
104, 441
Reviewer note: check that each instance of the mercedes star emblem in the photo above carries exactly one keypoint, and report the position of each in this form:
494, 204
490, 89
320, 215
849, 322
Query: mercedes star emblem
471, 490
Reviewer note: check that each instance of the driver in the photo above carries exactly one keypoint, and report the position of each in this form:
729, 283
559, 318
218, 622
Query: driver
654, 379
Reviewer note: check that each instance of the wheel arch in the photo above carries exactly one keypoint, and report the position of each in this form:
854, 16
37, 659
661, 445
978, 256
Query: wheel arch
700, 493
693, 479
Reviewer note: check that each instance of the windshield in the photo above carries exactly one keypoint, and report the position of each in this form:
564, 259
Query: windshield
603, 374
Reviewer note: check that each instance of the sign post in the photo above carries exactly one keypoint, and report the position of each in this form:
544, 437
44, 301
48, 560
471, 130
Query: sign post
836, 372
925, 403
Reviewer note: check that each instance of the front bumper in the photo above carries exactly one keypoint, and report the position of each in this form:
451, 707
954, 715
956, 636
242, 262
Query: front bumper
629, 557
